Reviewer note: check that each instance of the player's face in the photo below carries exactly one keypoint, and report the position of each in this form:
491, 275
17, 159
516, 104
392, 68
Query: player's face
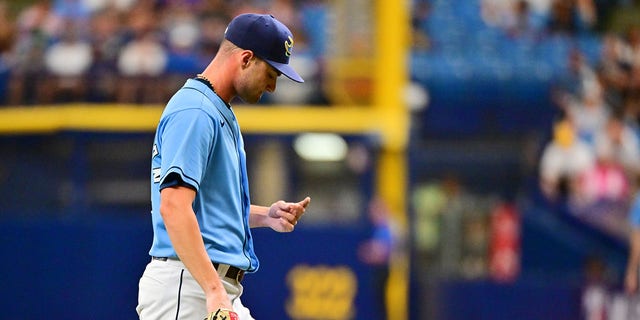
257, 78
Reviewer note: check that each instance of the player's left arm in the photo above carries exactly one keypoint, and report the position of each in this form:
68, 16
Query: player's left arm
281, 216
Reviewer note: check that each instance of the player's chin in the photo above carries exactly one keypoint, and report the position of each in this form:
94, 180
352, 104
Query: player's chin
251, 99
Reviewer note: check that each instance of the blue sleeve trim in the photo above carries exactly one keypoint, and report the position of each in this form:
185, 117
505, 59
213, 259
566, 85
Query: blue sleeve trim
173, 179
175, 176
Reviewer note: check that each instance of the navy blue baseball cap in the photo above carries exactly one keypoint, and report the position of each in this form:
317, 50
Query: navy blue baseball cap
268, 38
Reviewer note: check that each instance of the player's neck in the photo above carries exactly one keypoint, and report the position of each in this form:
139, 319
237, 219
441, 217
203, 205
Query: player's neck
218, 77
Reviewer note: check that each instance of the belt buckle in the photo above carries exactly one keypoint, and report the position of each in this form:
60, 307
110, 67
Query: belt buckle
239, 275
232, 272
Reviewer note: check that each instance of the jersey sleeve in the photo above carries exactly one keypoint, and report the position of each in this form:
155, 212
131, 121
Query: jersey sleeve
187, 139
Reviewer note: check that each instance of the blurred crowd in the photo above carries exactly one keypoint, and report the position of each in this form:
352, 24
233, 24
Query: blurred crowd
125, 51
527, 17
593, 159
139, 51
532, 19
590, 168
591, 165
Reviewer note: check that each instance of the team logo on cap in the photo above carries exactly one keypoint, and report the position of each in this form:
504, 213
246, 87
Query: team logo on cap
288, 46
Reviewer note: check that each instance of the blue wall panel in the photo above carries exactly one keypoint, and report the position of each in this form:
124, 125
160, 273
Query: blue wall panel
89, 269
72, 270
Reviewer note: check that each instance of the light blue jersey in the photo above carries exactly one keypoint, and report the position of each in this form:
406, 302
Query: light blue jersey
198, 138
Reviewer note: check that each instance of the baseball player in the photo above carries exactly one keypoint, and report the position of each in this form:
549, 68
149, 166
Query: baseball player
201, 210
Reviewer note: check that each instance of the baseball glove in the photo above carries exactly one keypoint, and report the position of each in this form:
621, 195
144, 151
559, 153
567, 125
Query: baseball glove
222, 314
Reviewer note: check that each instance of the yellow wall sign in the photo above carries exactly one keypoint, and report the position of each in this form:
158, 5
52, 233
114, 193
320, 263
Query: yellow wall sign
321, 292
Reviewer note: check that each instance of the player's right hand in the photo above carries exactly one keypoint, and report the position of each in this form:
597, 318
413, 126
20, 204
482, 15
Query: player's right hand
218, 300
222, 314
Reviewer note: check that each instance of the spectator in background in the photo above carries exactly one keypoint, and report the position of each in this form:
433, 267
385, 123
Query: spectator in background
578, 77
603, 189
36, 24
287, 12
580, 94
142, 59
564, 160
634, 85
515, 17
7, 29
67, 62
450, 229
620, 62
376, 252
215, 7
612, 67
7, 38
589, 112
430, 201
212, 25
596, 292
631, 56
524, 22
571, 17
107, 39
181, 26
39, 17
495, 13
100, 5
420, 39
633, 39
631, 112
619, 142
540, 7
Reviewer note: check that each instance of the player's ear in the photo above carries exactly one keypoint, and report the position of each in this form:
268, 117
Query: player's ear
247, 56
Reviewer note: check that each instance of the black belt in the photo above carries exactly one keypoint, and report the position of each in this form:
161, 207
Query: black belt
233, 273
